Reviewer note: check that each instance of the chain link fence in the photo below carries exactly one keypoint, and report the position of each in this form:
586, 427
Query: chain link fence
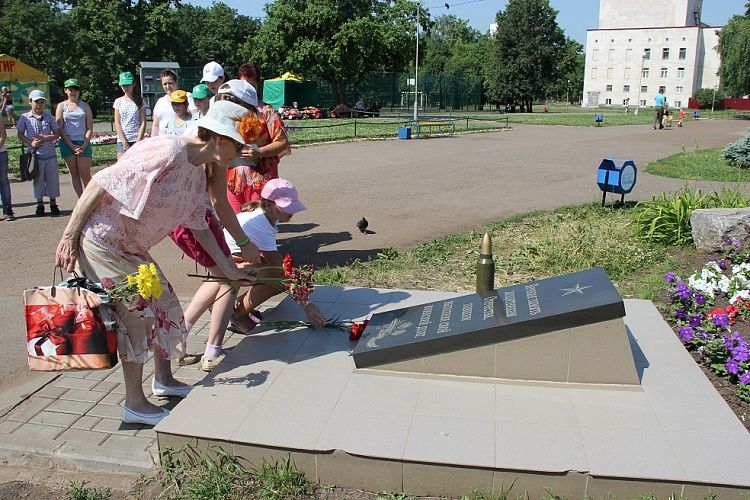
387, 91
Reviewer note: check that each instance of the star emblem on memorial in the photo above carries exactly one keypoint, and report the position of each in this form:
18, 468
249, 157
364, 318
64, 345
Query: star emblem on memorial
576, 289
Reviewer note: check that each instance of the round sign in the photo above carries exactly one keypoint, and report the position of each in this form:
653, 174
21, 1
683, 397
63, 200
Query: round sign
627, 178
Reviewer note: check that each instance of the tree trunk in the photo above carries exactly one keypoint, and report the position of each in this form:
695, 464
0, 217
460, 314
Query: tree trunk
338, 87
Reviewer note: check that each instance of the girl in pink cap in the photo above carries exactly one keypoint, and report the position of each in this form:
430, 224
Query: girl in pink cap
259, 219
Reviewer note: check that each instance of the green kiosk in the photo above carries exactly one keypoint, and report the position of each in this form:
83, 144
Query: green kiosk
288, 89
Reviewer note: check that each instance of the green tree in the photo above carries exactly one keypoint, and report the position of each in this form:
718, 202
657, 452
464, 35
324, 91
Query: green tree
528, 43
448, 42
215, 33
340, 41
570, 72
36, 32
110, 36
734, 51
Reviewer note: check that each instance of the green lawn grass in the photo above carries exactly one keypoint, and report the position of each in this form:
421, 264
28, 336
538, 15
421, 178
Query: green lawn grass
703, 164
526, 247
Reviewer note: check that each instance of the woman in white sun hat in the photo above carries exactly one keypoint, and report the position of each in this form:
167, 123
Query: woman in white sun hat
125, 211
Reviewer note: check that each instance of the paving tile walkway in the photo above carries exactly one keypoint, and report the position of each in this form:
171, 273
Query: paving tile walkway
74, 420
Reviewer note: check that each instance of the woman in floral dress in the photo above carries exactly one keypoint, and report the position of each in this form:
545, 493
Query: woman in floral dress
127, 209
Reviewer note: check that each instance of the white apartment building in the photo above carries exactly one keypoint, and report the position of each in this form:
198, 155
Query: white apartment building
641, 46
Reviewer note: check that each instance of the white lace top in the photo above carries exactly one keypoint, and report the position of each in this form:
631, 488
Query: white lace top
151, 190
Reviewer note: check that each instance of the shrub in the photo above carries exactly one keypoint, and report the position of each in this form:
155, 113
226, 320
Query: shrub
738, 152
706, 98
666, 218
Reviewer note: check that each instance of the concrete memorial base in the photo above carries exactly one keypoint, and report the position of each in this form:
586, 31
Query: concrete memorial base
297, 393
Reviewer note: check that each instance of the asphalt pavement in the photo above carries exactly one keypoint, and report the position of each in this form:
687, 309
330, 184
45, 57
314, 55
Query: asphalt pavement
410, 191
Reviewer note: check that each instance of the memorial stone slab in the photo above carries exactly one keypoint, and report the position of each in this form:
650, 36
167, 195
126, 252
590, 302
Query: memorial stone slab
577, 302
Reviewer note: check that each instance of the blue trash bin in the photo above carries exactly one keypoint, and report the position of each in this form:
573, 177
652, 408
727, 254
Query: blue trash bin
404, 133
616, 175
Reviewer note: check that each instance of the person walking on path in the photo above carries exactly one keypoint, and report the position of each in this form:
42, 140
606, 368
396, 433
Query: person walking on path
4, 182
680, 117
123, 213
259, 219
130, 115
660, 102
39, 131
76, 124
6, 106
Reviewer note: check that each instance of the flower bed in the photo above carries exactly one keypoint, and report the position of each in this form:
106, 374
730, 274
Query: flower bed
104, 138
708, 311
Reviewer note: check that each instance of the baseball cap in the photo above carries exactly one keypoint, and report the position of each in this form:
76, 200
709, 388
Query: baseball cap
212, 71
222, 118
178, 96
284, 194
71, 82
241, 90
201, 91
35, 95
126, 78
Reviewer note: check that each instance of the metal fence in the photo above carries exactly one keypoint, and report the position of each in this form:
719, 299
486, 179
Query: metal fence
390, 91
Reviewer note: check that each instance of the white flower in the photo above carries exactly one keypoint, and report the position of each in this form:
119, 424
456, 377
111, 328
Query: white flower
724, 284
740, 295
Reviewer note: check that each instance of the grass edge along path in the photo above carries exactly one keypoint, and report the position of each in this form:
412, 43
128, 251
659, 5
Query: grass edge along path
526, 247
701, 164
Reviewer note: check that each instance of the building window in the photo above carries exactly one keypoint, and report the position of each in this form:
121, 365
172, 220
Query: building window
647, 53
611, 55
608, 102
644, 73
627, 73
678, 104
609, 88
683, 53
595, 55
662, 89
610, 71
664, 72
665, 53
628, 54
643, 102
678, 89
644, 88
680, 72
626, 88
594, 72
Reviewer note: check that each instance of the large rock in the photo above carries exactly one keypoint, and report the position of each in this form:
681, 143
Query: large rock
710, 226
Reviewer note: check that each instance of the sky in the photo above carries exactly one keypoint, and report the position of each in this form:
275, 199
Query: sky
575, 16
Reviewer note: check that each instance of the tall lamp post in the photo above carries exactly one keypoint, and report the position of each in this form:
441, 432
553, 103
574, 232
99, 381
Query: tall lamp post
567, 95
416, 69
640, 80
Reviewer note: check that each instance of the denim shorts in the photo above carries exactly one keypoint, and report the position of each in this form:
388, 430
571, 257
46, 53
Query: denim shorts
120, 148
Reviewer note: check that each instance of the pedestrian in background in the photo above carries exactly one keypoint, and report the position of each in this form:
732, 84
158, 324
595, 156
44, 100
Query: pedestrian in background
4, 183
660, 102
76, 124
130, 115
39, 131
6, 106
680, 117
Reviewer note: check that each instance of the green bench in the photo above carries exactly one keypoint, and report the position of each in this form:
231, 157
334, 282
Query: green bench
432, 127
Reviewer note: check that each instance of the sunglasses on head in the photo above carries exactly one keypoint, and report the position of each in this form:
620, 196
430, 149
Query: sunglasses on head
224, 96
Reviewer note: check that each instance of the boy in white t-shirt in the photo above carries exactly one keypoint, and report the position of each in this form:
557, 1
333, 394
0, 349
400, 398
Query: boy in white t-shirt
279, 202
